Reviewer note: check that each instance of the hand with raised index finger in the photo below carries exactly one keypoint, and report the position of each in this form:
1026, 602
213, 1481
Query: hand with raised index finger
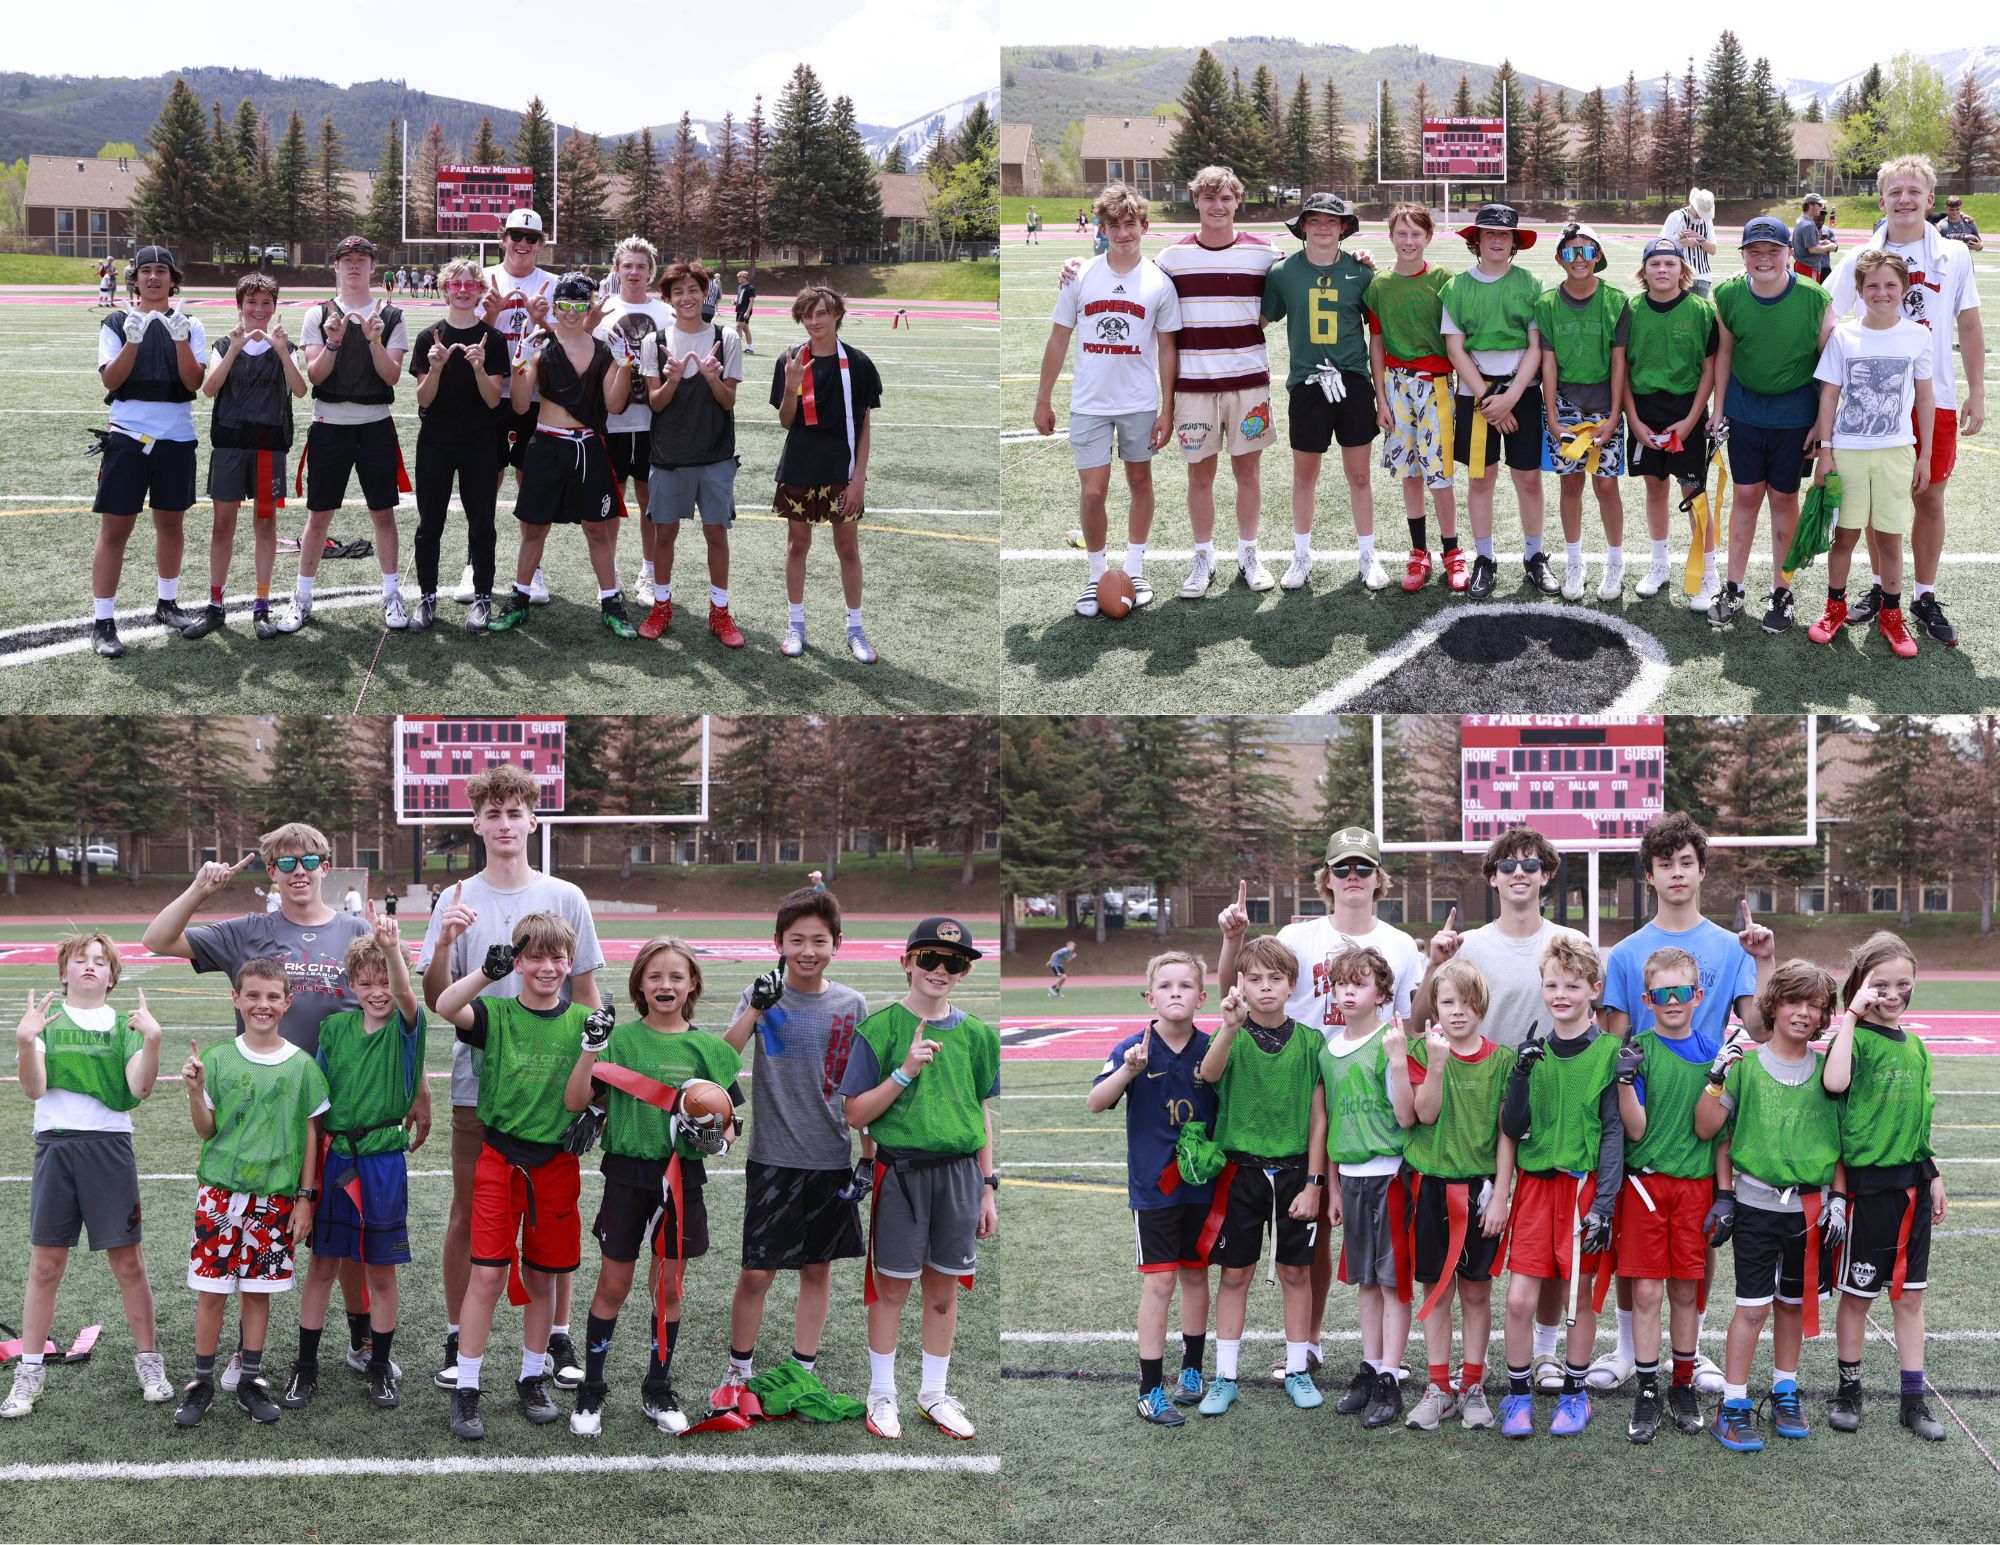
457, 916
1437, 1045
1235, 1008
1757, 940
1395, 1039
214, 876
1234, 919
143, 1021
192, 1072
1444, 943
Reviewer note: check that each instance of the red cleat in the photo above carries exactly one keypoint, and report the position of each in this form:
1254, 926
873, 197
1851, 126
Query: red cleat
1455, 571
1890, 621
657, 619
723, 626
1831, 621
1417, 570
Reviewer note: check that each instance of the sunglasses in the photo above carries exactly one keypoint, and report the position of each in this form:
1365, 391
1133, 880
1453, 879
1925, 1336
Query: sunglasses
1525, 865
525, 238
463, 284
1660, 997
287, 864
1349, 867
941, 960
572, 307
1577, 254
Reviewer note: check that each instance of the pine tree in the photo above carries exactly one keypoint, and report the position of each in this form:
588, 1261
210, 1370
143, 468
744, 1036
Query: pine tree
332, 206
1387, 160
1892, 811
977, 133
725, 193
744, 800
1773, 159
1347, 779
1202, 137
1421, 108
955, 789
755, 207
1972, 131
1159, 759
892, 158
1687, 119
1544, 163
1594, 151
1669, 174
253, 158
1462, 105
1268, 104
383, 224
684, 195
311, 776
1762, 789
1249, 143
642, 187
1728, 119
1629, 152
586, 186
1697, 749
291, 185
1048, 801
34, 784
1814, 113
485, 148
1248, 806
128, 784
534, 146
1335, 154
229, 223
857, 195
1505, 96
649, 766
1295, 146
431, 154
169, 201
802, 166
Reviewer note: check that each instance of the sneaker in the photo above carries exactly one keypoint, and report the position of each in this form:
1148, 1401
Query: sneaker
1200, 577
1374, 576
1788, 1416
423, 614
1728, 602
1654, 580
1779, 618
1250, 568
1417, 569
1844, 1410
1189, 1387
195, 1401
948, 1416
1473, 1411
538, 590
1304, 1394
536, 1403
1707, 1376
394, 614
511, 615
612, 614
1609, 1371
1354, 1399
663, 1409
297, 610
1436, 1405
565, 1366
1142, 589
587, 1420
1296, 574
263, 622
1863, 611
152, 1369
1545, 1374
1736, 1427
480, 618
1684, 1408
1455, 568
1916, 1415
1572, 585
465, 592
793, 644
1485, 574
170, 616
253, 1397
210, 619
299, 1387
1889, 621
465, 1422
1385, 1402
859, 647
1220, 1397
1831, 621
1612, 586
447, 1375
1517, 1416
1931, 616
360, 1359
383, 1388
1572, 1415
232, 1373
1645, 1415
643, 593
104, 638
1155, 1407
657, 620
1704, 597
1540, 577
723, 626
27, 1390
883, 1419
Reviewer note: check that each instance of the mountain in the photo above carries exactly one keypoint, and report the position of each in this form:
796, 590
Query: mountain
1951, 63
916, 135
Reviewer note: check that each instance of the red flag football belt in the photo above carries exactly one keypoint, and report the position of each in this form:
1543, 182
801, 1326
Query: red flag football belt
403, 484
1458, 1217
664, 1097
901, 1166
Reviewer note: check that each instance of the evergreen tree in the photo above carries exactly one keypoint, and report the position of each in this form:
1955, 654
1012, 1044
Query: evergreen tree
169, 200
229, 215
485, 148
684, 195
1687, 119
1202, 136
1249, 145
1462, 105
1159, 759
756, 202
1698, 747
34, 786
1729, 119
1347, 779
1386, 144
744, 800
1421, 108
802, 167
253, 158
857, 195
1670, 173
1506, 96
1892, 811
383, 224
1762, 789
725, 193
1336, 155
649, 764
1544, 162
1268, 103
1774, 158
892, 158
1814, 113
1971, 131
1048, 800
534, 146
311, 776
127, 785
332, 206
1248, 806
955, 791
291, 185
642, 187
586, 191
1629, 149
977, 133
1295, 146
1594, 151
431, 154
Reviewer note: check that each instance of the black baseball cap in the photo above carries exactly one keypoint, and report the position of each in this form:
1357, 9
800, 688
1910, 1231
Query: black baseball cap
350, 246
941, 933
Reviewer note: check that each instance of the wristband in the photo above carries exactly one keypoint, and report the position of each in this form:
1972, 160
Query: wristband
1315, 1180
898, 1076
307, 1194
1714, 1091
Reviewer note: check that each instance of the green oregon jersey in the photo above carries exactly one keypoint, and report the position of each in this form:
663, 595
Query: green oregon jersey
1464, 1142
1673, 1090
529, 1057
1407, 309
1264, 1101
1777, 342
263, 1119
91, 1062
1323, 310
1581, 336
1667, 348
1886, 1117
1784, 1134
1494, 313
943, 1110
636, 1129
1360, 1117
1564, 1128
371, 1079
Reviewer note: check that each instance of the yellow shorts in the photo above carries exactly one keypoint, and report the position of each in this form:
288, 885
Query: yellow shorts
1875, 489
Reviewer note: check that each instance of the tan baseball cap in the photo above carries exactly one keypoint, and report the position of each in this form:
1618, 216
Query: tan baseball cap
1353, 842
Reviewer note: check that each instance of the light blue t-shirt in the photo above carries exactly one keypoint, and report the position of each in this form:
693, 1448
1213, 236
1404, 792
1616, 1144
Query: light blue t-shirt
1728, 972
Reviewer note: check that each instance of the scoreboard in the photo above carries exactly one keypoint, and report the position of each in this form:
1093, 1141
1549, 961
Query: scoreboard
476, 200
1469, 149
437, 757
1575, 779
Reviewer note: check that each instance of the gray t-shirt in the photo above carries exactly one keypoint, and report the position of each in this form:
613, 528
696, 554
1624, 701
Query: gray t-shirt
314, 957
498, 912
1513, 972
797, 1113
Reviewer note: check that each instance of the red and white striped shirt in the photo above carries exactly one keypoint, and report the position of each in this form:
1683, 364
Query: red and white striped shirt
1221, 292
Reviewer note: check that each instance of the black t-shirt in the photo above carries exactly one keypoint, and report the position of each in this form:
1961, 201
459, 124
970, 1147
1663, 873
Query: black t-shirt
817, 454
458, 412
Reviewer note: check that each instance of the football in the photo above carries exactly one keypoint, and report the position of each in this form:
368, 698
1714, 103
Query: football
1115, 595
705, 1106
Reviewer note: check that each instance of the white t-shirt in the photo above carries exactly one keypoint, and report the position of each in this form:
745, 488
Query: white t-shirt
396, 340
1942, 285
1681, 221
68, 1111
1382, 1163
692, 348
513, 321
1117, 319
1877, 370
161, 420
649, 316
1316, 941
1513, 972
1492, 362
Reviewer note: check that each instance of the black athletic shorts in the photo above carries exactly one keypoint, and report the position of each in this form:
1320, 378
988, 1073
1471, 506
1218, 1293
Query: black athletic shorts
514, 432
1521, 450
1874, 1223
1775, 457
631, 454
1251, 1194
369, 451
795, 1217
1316, 423
1170, 1237
565, 482
1433, 1229
632, 1201
1770, 1250
130, 477
1656, 411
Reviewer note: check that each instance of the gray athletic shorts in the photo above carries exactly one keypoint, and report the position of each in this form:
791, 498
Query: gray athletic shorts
1366, 1240
927, 1217
232, 475
84, 1178
1091, 435
678, 491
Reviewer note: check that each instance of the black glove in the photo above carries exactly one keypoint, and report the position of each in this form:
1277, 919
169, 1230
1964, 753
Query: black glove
768, 988
1630, 1059
1596, 1233
597, 1026
857, 1189
499, 961
1721, 1220
1531, 1051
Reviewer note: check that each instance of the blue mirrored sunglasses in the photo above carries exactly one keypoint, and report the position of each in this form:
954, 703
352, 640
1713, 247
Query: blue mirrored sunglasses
1577, 254
289, 862
1660, 996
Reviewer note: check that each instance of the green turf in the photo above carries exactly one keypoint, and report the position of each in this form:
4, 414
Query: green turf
41, 268
1080, 1465
1278, 651
969, 280
93, 1412
929, 559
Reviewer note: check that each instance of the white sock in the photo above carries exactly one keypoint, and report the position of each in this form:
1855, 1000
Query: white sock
1660, 553
797, 612
646, 568
1780, 1375
1546, 1337
1735, 1391
1302, 546
744, 1365
853, 617
1367, 546
717, 597
33, 1359
1483, 546
1206, 548
304, 590
1226, 1353
663, 591
608, 595
451, 1327
1245, 546
535, 1364
1295, 1356
1626, 1349
468, 1371
1533, 544
392, 584
1924, 590
103, 607
1614, 555
170, 589
935, 1371
1098, 564
1874, 578
1135, 560
1573, 555
881, 1372
559, 1330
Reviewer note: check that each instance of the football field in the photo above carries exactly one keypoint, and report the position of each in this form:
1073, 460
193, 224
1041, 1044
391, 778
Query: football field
1337, 645
928, 554
1266, 1471
104, 1464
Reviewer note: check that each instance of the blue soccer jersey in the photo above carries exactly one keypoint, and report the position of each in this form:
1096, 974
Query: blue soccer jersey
1158, 1103
1728, 972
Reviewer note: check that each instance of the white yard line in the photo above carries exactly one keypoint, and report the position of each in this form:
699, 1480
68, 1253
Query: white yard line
260, 1470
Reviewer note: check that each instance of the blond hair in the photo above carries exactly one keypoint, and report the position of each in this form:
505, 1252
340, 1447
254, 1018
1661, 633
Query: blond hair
1176, 958
1214, 179
1118, 202
295, 839
72, 945
366, 957
543, 935
1576, 956
1465, 979
1672, 958
1912, 163
640, 245
454, 267
1867, 955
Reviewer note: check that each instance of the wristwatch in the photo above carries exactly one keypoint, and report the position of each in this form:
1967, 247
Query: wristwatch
306, 1194
991, 1182
1315, 1180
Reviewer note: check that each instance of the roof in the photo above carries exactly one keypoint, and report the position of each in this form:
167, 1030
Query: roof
1811, 141
82, 182
1144, 137
1017, 143
902, 195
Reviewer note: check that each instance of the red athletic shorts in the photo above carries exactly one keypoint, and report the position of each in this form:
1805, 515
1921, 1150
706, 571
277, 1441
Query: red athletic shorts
1663, 1242
1944, 442
1541, 1225
550, 1230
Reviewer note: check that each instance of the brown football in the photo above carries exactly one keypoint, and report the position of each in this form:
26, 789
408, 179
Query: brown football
1115, 595
706, 1104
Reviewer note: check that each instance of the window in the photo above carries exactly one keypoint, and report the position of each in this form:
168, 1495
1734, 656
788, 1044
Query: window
989, 840
368, 858
1142, 171
1259, 908
1761, 898
1114, 171
642, 852
1812, 900
744, 853
65, 233
1882, 898
689, 851
209, 856
100, 233
1441, 907
1315, 907
1390, 910
1937, 898
791, 850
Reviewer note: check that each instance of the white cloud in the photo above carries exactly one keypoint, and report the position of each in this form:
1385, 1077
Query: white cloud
896, 58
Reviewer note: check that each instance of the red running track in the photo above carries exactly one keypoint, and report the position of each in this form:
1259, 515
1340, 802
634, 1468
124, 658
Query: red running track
757, 951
